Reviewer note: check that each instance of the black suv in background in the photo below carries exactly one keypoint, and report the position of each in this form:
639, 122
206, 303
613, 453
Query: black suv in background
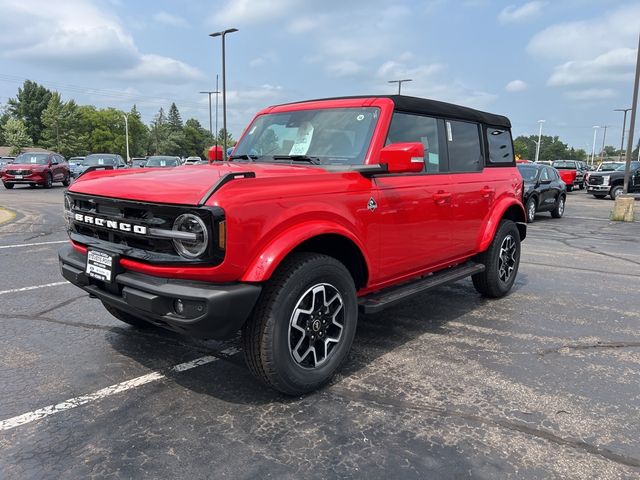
611, 183
544, 191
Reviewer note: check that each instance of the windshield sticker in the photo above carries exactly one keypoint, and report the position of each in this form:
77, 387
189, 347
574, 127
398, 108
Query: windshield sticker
303, 139
449, 134
360, 117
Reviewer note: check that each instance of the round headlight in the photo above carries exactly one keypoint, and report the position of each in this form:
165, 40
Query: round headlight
192, 248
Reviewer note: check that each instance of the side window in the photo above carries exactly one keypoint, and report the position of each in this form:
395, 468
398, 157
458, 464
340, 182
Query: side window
463, 143
54, 159
545, 175
500, 146
406, 127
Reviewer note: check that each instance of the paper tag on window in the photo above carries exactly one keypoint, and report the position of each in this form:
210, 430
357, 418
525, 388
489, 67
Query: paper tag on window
449, 134
303, 139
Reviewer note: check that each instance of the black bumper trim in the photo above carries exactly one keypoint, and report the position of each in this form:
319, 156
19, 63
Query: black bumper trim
215, 311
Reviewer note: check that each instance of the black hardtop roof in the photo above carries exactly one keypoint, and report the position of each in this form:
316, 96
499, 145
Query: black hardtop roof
427, 106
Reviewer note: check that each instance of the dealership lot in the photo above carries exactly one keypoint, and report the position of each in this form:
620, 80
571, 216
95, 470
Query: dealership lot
540, 384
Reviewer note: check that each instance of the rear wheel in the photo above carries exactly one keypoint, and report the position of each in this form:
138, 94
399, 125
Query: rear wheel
8, 186
303, 325
531, 210
501, 261
127, 317
558, 211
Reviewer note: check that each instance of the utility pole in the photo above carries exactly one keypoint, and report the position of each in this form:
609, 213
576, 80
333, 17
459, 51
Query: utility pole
400, 82
126, 135
624, 125
224, 90
217, 94
209, 92
593, 148
604, 138
632, 122
539, 140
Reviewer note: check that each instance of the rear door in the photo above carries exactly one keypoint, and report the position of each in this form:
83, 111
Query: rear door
415, 208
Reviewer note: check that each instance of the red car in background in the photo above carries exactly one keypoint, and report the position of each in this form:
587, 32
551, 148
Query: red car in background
39, 168
570, 173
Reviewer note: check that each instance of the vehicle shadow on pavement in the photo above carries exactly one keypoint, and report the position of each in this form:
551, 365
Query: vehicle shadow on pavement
229, 380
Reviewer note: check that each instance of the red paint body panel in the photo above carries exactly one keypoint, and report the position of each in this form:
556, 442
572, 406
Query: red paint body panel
568, 176
420, 222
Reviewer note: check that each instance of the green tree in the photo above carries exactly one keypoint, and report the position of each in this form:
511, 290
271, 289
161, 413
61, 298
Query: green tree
102, 130
32, 99
158, 132
61, 121
174, 120
16, 135
230, 140
138, 134
196, 139
4, 117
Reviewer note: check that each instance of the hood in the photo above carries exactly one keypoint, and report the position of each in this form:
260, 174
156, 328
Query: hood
179, 185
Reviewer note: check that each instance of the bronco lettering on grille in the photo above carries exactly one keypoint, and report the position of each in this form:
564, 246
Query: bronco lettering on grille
111, 224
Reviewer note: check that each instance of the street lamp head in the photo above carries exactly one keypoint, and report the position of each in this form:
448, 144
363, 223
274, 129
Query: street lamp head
541, 121
596, 126
223, 32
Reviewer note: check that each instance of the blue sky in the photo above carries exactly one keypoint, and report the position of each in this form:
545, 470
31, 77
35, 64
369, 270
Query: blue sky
569, 62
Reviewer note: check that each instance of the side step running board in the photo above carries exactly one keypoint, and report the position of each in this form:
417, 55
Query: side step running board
378, 301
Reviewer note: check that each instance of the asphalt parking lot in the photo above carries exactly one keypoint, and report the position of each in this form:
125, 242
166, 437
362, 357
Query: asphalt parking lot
541, 384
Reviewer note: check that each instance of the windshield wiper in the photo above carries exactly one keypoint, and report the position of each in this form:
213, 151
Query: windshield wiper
245, 156
299, 158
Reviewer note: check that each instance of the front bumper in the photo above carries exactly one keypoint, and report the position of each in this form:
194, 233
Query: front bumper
34, 178
598, 188
210, 310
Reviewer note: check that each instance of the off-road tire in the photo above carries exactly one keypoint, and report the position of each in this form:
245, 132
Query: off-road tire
127, 317
615, 191
8, 186
532, 206
558, 210
489, 283
48, 183
266, 335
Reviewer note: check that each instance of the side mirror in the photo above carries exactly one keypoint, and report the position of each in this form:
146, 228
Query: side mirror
403, 157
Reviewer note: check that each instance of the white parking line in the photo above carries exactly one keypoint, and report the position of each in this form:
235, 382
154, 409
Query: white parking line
106, 392
18, 245
34, 287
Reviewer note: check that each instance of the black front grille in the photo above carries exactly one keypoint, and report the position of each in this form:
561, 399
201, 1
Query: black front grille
19, 172
152, 216
595, 180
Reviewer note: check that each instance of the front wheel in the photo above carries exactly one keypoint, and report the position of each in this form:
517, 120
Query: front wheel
558, 211
66, 181
501, 261
303, 325
616, 191
48, 182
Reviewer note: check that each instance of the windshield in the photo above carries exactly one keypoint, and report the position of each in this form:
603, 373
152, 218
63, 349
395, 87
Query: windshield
633, 166
162, 162
35, 158
564, 164
528, 173
608, 167
97, 159
332, 136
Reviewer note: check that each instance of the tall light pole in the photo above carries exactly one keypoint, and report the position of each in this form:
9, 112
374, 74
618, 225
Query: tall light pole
624, 125
126, 135
224, 89
539, 140
593, 148
217, 94
632, 122
604, 138
400, 82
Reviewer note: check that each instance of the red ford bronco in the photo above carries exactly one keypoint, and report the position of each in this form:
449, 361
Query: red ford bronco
326, 208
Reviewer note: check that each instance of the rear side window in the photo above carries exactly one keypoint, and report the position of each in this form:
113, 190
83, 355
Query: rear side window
463, 144
410, 128
500, 146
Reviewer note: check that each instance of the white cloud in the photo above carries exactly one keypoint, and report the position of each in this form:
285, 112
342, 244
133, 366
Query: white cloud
614, 66
264, 59
591, 94
304, 24
77, 35
238, 12
513, 13
516, 86
162, 69
345, 68
171, 20
586, 39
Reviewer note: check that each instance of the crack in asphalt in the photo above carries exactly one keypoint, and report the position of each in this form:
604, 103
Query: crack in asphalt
60, 305
368, 397
589, 346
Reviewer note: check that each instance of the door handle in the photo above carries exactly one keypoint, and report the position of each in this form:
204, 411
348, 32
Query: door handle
486, 192
442, 197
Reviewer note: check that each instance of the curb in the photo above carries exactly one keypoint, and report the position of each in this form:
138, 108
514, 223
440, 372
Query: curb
6, 215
